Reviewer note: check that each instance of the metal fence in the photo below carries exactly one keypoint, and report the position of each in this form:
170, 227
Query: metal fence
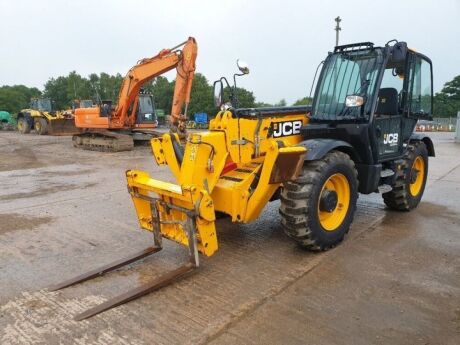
439, 124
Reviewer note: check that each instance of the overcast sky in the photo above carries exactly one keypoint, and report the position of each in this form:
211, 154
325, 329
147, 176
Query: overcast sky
282, 41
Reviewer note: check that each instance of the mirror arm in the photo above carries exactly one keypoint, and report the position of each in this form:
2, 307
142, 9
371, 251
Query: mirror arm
226, 81
232, 90
235, 93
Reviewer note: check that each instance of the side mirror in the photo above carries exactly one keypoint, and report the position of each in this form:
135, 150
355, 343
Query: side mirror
242, 66
218, 93
354, 101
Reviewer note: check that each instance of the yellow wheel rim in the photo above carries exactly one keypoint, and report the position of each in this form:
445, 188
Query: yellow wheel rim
38, 126
337, 183
416, 183
20, 125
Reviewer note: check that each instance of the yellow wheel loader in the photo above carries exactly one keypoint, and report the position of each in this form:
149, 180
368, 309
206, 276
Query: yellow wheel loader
41, 117
357, 137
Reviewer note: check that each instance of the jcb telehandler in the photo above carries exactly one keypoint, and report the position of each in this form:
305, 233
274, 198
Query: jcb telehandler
357, 137
41, 117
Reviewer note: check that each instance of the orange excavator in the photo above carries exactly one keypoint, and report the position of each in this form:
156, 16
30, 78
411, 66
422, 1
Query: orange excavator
109, 128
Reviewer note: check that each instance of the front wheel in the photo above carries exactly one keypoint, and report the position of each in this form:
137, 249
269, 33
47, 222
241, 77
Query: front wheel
410, 179
41, 126
23, 126
317, 208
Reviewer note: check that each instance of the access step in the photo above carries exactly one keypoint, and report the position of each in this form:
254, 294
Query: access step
385, 188
387, 173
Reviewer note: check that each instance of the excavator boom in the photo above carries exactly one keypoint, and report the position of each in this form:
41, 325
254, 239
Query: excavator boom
103, 125
149, 68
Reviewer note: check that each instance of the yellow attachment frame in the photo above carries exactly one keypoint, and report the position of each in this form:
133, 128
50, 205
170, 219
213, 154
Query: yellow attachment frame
235, 168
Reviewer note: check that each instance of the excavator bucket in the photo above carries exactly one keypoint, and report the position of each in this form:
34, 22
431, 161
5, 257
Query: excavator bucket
62, 126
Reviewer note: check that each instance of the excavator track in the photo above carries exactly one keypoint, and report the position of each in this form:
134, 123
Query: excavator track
105, 141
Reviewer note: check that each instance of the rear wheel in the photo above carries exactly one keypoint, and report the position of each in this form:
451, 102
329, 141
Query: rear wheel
410, 179
317, 209
41, 126
23, 126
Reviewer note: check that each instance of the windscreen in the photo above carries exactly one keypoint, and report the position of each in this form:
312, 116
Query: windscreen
44, 104
146, 112
86, 103
346, 73
145, 105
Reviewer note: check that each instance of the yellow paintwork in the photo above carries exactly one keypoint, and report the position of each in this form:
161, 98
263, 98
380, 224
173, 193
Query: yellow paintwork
338, 183
418, 165
202, 188
44, 114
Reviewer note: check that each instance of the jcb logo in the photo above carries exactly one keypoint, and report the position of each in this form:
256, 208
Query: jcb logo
390, 138
283, 129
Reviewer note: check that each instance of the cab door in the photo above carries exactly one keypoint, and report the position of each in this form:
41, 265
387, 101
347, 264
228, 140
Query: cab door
418, 101
387, 121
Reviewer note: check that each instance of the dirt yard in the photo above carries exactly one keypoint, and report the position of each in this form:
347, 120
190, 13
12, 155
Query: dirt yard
394, 280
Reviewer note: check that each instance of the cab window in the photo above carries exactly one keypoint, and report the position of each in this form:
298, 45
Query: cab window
420, 88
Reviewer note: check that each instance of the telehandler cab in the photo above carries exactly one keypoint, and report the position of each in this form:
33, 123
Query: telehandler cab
356, 137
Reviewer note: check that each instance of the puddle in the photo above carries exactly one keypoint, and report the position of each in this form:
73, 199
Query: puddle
67, 173
10, 222
18, 158
49, 189
431, 210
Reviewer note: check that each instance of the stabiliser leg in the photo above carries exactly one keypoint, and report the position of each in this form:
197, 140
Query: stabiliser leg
151, 286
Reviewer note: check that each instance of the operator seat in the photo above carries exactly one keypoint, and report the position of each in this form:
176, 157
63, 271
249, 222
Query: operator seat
387, 102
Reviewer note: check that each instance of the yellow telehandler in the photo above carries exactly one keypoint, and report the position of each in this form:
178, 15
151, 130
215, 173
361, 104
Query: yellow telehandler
356, 137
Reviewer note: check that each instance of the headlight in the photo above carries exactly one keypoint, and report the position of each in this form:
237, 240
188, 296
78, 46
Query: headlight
354, 101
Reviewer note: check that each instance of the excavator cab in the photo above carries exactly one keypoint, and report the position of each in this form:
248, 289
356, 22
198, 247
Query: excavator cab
84, 103
146, 113
105, 108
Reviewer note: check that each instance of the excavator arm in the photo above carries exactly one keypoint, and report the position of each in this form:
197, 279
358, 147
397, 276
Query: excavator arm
149, 68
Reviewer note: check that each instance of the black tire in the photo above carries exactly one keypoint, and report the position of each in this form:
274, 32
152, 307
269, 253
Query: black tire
23, 126
401, 197
300, 202
41, 126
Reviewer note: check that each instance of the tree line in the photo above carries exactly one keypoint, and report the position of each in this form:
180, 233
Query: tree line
64, 89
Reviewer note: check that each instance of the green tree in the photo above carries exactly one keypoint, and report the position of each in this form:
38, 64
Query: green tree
281, 103
56, 89
245, 98
162, 91
303, 101
201, 97
78, 87
262, 105
447, 102
64, 89
109, 86
16, 97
